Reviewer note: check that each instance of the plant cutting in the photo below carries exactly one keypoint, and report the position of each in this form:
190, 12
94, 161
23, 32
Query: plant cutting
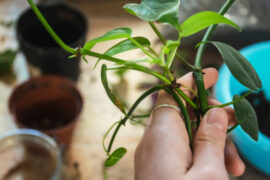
152, 11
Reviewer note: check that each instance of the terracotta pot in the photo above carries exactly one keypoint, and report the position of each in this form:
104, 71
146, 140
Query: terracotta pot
48, 103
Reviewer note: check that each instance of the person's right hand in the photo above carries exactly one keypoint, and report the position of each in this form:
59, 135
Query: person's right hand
164, 152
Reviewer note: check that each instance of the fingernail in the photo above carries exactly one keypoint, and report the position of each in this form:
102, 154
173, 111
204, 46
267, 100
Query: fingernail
217, 117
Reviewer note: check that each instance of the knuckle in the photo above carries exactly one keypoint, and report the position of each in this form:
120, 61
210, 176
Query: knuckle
211, 135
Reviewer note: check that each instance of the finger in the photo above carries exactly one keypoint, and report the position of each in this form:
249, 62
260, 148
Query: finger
230, 111
233, 162
209, 142
210, 78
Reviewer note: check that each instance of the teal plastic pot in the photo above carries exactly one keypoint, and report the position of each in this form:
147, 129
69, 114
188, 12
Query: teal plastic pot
257, 153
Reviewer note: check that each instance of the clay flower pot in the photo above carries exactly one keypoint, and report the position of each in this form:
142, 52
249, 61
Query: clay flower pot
48, 103
38, 46
257, 153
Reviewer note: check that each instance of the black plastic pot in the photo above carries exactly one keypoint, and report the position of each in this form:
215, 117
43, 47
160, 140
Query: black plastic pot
38, 46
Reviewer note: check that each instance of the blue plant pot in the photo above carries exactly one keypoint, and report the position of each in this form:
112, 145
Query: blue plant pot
257, 153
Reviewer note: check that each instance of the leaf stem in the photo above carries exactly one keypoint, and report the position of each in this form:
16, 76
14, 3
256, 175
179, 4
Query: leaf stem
209, 33
183, 111
232, 102
163, 40
186, 98
132, 109
142, 48
232, 128
197, 72
50, 30
171, 58
127, 63
153, 51
106, 134
160, 36
141, 116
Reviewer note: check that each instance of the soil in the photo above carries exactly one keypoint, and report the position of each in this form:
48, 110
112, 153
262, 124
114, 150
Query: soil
262, 108
48, 115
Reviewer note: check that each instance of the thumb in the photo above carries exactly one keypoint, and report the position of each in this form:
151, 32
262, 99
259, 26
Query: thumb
210, 140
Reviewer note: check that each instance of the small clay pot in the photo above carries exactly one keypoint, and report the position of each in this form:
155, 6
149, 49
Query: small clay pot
49, 103
40, 48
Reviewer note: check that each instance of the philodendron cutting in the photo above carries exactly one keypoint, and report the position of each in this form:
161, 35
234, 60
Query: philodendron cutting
166, 11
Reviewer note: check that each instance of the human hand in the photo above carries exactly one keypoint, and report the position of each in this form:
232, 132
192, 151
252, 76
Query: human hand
164, 151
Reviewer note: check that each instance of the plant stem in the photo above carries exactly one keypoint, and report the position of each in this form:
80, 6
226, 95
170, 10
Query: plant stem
163, 40
232, 128
171, 58
142, 48
129, 64
197, 72
183, 111
186, 98
106, 134
160, 36
153, 51
185, 62
202, 95
141, 116
49, 29
209, 33
232, 102
132, 109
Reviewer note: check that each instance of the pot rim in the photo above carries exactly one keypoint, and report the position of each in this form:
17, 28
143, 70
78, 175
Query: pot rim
48, 76
59, 4
31, 132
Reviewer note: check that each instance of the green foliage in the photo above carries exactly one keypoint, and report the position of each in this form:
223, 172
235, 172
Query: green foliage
127, 45
165, 11
124, 46
117, 33
112, 97
240, 68
115, 157
6, 60
202, 20
246, 116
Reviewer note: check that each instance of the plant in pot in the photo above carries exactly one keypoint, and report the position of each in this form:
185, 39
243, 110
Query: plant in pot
166, 12
40, 49
48, 103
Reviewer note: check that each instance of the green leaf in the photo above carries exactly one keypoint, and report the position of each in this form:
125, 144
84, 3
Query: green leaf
246, 116
127, 45
6, 60
240, 68
202, 20
124, 46
111, 35
115, 157
165, 11
112, 97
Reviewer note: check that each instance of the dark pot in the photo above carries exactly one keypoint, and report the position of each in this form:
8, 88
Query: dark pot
38, 46
49, 103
